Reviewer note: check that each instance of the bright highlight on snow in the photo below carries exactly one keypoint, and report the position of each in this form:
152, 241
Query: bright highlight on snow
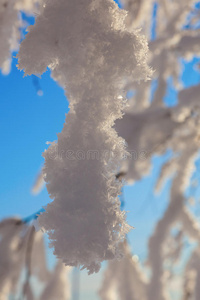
92, 55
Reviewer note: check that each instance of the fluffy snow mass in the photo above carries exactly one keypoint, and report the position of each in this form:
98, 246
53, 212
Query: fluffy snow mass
93, 56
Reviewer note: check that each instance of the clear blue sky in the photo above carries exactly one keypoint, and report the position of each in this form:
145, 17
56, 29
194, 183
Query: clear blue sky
27, 121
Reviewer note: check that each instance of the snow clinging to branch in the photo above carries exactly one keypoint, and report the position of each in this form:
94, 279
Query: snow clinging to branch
93, 55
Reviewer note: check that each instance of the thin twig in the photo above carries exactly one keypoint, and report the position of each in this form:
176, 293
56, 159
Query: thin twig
33, 216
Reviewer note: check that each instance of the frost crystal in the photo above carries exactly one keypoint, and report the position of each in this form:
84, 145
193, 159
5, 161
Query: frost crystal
92, 55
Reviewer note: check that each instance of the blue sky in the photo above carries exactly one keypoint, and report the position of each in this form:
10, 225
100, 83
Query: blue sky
28, 121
